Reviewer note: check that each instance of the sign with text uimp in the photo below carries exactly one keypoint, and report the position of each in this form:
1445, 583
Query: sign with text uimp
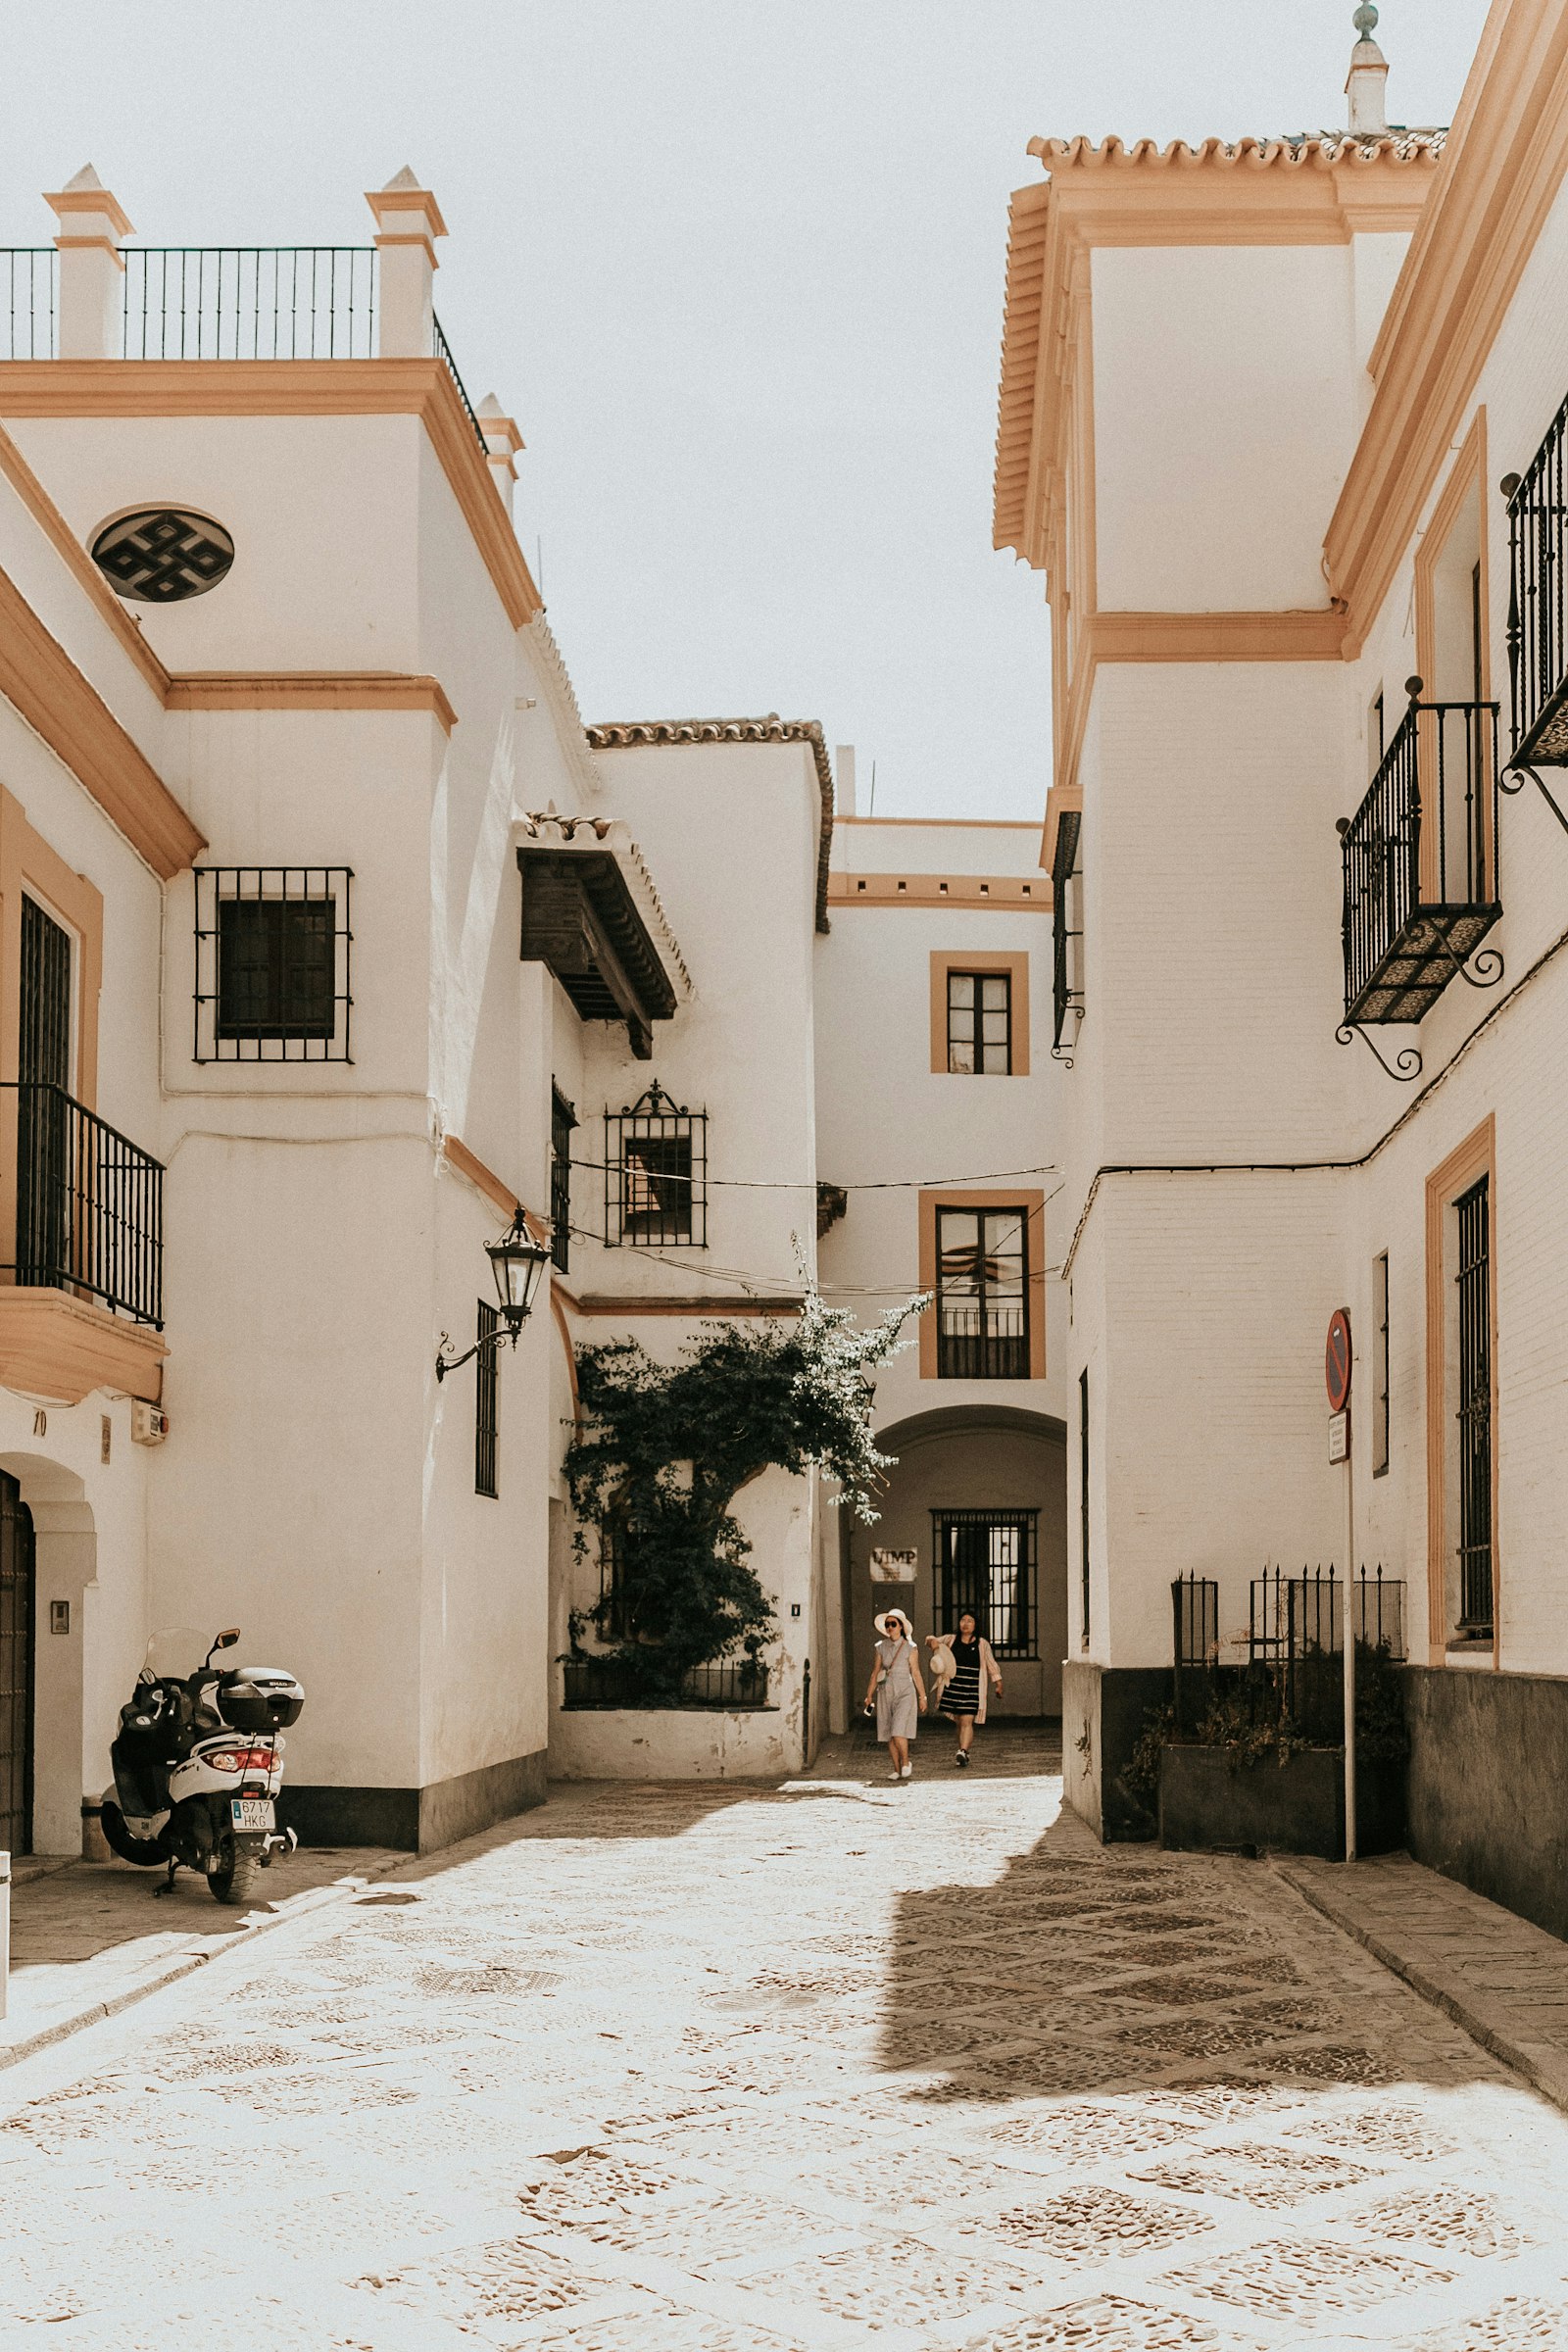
894, 1567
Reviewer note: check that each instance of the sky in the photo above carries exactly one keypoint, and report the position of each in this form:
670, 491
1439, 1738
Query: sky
736, 267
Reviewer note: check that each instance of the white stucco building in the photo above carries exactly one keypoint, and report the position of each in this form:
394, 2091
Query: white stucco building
332, 941
1281, 423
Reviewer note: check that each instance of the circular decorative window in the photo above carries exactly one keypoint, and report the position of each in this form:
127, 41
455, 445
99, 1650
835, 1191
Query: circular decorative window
158, 555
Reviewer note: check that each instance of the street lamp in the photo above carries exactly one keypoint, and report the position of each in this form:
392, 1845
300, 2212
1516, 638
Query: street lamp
517, 1260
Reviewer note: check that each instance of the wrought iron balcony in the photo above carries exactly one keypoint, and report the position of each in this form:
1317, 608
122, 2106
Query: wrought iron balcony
89, 1204
1537, 626
1421, 864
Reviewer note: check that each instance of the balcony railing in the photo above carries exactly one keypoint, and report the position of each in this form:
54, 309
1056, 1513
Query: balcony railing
976, 1346
1420, 861
1538, 627
221, 302
734, 1685
89, 1204
250, 302
28, 276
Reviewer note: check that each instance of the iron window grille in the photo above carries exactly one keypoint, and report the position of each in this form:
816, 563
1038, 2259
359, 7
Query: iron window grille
1473, 1282
274, 973
655, 1174
614, 1616
1067, 937
982, 1293
987, 1562
980, 1024
486, 1402
562, 1119
1195, 1646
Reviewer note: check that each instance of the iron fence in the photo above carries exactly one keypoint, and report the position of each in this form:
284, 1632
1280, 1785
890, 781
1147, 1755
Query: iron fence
1195, 1647
443, 352
89, 1206
1420, 861
28, 325
733, 1685
250, 302
1538, 640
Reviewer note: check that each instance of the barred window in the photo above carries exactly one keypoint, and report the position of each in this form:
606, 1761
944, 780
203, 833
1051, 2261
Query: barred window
616, 1537
980, 1023
562, 1119
1067, 937
273, 947
982, 1295
655, 1174
486, 1402
986, 1564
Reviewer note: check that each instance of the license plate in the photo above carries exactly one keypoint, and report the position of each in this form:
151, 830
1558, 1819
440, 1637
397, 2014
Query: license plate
253, 1812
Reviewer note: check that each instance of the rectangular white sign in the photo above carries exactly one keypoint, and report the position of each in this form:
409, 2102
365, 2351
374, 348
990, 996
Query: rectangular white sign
1339, 1437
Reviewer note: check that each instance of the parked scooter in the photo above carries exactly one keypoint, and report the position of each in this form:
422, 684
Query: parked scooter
198, 1765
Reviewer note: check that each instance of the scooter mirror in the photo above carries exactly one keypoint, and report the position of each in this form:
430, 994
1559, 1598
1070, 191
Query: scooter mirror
227, 1640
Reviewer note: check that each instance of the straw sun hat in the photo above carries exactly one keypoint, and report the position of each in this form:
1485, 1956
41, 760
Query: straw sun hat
890, 1617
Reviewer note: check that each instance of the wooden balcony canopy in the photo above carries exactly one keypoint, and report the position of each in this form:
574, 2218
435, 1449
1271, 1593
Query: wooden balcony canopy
579, 918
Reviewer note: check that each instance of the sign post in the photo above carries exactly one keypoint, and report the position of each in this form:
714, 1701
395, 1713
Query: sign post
1338, 1363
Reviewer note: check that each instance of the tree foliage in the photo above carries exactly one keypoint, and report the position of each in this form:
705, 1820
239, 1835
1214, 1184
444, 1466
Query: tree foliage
664, 1450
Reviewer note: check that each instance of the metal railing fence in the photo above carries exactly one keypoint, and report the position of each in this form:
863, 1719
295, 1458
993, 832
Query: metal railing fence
30, 275
249, 302
735, 1685
89, 1212
1538, 621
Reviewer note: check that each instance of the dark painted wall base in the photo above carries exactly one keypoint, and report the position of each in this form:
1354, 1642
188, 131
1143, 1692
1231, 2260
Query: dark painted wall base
415, 1821
1103, 1710
1209, 1805
1489, 1762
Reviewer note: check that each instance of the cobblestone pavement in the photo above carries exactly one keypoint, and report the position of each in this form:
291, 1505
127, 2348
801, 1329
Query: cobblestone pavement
742, 2070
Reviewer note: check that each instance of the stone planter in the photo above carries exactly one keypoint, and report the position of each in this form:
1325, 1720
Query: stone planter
1208, 1804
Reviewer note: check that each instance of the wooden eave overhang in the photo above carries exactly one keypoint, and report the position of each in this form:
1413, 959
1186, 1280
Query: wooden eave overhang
1318, 191
581, 921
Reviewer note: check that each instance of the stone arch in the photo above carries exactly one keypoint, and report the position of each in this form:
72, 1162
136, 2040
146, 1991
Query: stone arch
965, 1457
66, 1554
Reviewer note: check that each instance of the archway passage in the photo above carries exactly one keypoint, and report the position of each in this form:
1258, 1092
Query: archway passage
17, 1654
979, 1495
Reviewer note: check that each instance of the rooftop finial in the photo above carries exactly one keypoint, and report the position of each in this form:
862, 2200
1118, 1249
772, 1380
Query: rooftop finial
1366, 87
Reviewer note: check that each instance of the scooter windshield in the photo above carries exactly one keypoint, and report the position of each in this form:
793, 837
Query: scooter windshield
176, 1653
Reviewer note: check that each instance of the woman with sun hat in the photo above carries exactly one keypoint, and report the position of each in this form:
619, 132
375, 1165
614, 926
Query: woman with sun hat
896, 1688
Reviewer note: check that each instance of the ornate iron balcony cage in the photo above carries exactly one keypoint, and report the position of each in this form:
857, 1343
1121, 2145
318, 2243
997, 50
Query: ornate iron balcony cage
1067, 996
89, 1204
1538, 624
655, 1174
563, 1121
1420, 860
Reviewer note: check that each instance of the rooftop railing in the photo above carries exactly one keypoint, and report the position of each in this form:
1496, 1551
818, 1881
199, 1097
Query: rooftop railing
28, 276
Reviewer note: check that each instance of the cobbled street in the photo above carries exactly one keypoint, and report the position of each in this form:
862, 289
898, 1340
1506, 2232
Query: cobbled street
739, 2069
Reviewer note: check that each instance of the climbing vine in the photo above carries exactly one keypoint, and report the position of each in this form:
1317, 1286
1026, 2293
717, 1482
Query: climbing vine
665, 1449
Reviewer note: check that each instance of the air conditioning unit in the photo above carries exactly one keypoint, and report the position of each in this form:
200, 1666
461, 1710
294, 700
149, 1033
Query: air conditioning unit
149, 1423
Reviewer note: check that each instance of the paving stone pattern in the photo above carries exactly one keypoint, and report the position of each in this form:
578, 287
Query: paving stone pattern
749, 2070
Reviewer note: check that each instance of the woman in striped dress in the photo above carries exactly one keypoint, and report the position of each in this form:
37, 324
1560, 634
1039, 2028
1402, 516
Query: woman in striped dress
974, 1672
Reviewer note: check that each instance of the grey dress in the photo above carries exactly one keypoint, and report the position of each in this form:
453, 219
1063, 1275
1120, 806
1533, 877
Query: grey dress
897, 1705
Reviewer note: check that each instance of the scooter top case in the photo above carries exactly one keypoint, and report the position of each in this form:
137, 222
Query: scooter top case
259, 1698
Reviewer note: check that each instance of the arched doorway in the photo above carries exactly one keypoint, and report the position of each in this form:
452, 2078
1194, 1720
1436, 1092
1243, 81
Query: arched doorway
979, 1494
18, 1667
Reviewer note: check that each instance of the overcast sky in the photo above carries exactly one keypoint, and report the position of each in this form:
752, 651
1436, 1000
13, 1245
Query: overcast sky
736, 267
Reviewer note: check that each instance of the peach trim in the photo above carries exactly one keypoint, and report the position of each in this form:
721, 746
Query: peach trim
1305, 636
422, 388
93, 245
99, 200
947, 824
382, 201
504, 429
1506, 157
1468, 472
35, 498
52, 1345
975, 892
957, 959
467, 1164
38, 677
1475, 1157
409, 239
1063, 799
26, 860
309, 689
1033, 1204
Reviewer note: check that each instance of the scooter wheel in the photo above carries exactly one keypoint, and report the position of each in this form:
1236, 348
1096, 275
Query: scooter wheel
231, 1873
145, 1851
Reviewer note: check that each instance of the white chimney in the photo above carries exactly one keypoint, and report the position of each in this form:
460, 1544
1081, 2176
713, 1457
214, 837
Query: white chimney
1367, 86
844, 773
